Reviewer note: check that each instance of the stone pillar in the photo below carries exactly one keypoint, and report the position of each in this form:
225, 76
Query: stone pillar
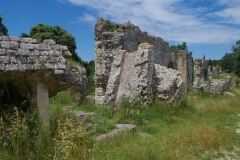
210, 73
41, 100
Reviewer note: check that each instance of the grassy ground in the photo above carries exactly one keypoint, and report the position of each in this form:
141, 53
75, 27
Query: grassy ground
203, 126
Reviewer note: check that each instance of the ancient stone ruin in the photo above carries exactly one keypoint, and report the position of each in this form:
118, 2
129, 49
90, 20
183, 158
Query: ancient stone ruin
132, 64
203, 78
43, 67
200, 71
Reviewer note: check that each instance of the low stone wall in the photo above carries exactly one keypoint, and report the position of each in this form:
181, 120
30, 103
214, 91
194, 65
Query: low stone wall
216, 86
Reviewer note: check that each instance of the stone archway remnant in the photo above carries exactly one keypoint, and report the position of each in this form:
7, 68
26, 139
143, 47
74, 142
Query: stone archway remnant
43, 67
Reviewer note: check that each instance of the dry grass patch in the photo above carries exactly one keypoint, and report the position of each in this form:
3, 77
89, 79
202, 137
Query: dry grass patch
204, 137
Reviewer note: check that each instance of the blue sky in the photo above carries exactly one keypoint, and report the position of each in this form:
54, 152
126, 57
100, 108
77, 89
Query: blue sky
209, 27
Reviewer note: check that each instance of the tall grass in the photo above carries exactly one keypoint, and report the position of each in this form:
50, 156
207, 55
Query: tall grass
23, 137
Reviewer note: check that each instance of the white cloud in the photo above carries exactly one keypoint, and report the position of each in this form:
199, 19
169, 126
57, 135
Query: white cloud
87, 18
173, 20
230, 12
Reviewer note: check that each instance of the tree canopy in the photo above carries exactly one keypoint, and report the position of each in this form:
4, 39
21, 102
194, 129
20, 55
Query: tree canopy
231, 61
3, 28
177, 48
56, 33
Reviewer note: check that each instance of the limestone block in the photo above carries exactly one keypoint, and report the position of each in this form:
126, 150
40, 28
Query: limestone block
67, 54
44, 53
12, 67
36, 53
126, 127
27, 46
38, 66
2, 67
229, 94
14, 45
3, 52
49, 42
6, 38
61, 66
61, 59
43, 47
23, 52
114, 78
4, 59
5, 44
32, 59
99, 92
63, 48
13, 60
56, 47
58, 53
168, 84
99, 99
28, 66
43, 59
28, 40
58, 71
10, 52
21, 59
49, 66
51, 53
16, 39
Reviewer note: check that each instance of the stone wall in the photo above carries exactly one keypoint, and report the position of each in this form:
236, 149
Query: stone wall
43, 67
135, 76
183, 61
128, 37
200, 71
216, 86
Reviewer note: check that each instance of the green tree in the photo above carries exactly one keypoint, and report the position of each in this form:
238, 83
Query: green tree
56, 33
24, 35
227, 62
3, 28
177, 48
173, 49
236, 53
210, 62
237, 64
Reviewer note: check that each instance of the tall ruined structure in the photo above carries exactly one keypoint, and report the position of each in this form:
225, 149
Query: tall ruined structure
183, 62
201, 69
127, 64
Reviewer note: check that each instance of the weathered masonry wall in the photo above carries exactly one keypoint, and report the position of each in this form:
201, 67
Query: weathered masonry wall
42, 66
183, 62
128, 37
200, 71
136, 77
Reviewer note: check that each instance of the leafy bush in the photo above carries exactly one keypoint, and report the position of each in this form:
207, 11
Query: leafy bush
110, 26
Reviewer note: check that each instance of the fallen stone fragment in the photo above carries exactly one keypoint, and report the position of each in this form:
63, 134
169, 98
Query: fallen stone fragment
120, 128
228, 94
